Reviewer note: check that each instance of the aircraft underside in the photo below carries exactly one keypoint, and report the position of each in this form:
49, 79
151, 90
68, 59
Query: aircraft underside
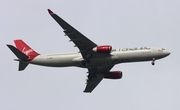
75, 59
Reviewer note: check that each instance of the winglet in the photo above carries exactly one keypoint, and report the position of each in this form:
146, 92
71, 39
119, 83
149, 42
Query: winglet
50, 12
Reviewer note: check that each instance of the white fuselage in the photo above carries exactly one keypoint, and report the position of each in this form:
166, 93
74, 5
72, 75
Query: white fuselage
115, 57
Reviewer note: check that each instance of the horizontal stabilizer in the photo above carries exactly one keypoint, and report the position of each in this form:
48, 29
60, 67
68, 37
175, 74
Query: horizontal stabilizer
22, 65
18, 53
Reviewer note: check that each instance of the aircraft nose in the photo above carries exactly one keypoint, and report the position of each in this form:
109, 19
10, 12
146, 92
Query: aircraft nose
166, 53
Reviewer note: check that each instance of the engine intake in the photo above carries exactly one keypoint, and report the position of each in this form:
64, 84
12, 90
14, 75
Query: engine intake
102, 49
113, 75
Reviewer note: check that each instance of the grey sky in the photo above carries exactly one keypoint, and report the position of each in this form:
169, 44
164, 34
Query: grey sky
120, 23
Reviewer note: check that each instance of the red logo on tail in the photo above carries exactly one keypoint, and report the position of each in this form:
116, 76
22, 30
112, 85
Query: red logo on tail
23, 47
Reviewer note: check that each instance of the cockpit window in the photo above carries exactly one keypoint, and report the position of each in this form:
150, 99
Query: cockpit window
163, 49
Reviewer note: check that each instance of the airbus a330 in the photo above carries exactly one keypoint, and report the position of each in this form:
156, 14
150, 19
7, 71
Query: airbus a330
98, 59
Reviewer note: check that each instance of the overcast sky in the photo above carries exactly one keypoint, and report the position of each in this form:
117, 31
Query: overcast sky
120, 23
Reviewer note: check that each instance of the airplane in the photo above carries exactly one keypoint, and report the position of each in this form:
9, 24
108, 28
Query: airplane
98, 59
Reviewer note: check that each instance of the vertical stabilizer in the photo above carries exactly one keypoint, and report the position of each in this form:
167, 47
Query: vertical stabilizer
24, 48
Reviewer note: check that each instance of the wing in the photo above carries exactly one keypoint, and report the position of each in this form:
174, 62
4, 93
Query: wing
85, 46
96, 75
83, 43
91, 84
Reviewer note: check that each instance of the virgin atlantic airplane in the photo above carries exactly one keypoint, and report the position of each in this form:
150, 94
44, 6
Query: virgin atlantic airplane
99, 60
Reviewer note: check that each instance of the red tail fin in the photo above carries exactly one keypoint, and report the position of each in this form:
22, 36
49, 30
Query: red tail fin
24, 48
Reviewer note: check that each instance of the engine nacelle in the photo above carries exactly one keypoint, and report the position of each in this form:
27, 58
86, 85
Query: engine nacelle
113, 75
102, 49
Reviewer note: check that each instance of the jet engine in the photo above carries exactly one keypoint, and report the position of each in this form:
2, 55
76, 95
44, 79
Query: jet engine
113, 75
102, 49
